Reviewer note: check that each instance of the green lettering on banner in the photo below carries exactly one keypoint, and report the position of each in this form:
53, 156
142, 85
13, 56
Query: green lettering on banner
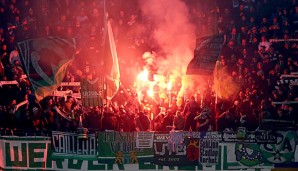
187, 168
16, 162
59, 163
92, 166
50, 160
146, 166
73, 165
160, 167
37, 155
120, 166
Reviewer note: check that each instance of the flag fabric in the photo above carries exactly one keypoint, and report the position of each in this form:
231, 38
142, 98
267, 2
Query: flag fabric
92, 92
205, 55
111, 66
45, 61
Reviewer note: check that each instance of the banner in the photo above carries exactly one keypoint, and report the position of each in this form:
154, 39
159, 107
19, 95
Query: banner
92, 92
205, 55
243, 155
176, 148
120, 148
62, 93
264, 155
260, 136
209, 144
68, 145
35, 153
71, 84
282, 40
45, 61
8, 83
234, 137
19, 153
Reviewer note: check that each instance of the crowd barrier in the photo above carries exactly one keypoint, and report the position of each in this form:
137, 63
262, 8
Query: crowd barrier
110, 150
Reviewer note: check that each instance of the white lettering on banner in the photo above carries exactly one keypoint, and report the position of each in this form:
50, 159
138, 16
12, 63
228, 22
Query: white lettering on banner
209, 148
91, 94
25, 153
70, 144
16, 145
122, 141
232, 137
179, 150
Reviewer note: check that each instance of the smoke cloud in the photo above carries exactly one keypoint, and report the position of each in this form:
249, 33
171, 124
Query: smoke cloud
223, 84
174, 35
172, 32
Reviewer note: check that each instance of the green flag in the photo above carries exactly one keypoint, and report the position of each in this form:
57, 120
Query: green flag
45, 61
111, 66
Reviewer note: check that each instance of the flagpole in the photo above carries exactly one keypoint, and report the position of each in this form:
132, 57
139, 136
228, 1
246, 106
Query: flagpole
105, 36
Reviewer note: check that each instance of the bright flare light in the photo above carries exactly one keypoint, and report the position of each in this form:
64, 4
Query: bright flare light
150, 93
169, 86
143, 76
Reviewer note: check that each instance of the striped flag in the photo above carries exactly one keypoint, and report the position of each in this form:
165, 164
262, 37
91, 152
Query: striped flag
91, 92
205, 55
45, 61
111, 66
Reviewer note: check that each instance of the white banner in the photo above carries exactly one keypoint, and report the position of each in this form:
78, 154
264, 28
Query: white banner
8, 83
71, 84
283, 40
144, 139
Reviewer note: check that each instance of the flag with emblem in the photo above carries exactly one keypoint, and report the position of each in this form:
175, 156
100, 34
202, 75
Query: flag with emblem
45, 61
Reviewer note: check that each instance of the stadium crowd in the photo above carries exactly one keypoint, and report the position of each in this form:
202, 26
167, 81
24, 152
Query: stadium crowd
261, 46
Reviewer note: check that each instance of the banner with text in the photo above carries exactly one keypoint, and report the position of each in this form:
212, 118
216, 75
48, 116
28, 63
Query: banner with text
21, 153
120, 148
209, 144
36, 153
176, 148
68, 145
92, 92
